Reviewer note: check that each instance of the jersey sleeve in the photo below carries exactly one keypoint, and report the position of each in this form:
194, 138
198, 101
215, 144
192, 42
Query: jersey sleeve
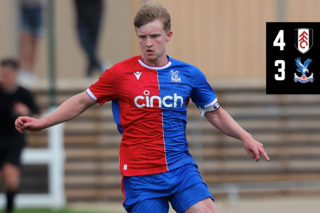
202, 94
106, 88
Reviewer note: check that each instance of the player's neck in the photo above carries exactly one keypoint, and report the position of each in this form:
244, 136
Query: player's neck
156, 63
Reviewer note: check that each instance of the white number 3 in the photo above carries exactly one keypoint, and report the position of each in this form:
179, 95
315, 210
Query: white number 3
280, 77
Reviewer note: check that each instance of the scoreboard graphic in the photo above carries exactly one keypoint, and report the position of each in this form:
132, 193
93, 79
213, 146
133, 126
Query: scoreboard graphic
293, 58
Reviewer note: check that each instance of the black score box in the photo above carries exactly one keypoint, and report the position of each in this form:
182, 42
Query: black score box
293, 58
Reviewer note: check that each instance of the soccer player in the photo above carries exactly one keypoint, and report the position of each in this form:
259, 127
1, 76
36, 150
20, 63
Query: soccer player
150, 94
14, 101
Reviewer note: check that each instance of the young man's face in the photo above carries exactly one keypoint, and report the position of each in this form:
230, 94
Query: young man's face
153, 43
8, 77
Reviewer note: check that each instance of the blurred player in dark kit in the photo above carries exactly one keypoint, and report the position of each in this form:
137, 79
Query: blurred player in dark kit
14, 101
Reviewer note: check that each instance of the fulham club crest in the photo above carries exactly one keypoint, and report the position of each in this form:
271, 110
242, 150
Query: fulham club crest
303, 39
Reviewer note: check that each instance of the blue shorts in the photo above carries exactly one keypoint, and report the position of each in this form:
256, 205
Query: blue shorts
182, 187
31, 20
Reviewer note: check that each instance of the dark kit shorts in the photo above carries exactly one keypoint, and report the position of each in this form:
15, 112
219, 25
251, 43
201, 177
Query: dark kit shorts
10, 149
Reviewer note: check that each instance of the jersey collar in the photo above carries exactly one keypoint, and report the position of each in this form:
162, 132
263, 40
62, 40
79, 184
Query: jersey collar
156, 68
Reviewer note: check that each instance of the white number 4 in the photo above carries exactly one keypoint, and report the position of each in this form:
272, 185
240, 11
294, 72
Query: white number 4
279, 41
280, 77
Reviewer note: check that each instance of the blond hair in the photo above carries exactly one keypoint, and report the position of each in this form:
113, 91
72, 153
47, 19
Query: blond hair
150, 11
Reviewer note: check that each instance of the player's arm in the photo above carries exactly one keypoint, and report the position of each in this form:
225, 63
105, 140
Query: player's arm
225, 123
66, 111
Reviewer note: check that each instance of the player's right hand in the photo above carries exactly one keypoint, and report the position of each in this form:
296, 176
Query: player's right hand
27, 123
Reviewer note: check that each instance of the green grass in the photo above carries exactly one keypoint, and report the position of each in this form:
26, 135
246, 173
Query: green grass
54, 211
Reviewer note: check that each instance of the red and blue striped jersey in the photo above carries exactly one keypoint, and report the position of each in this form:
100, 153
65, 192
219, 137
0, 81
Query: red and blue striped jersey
149, 105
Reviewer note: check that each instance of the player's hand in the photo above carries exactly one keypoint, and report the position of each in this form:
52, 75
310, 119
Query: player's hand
28, 123
255, 149
21, 109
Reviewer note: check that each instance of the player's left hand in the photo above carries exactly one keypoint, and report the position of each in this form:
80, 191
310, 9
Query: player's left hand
255, 149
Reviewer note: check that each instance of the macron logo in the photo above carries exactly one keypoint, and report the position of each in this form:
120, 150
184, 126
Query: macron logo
137, 74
